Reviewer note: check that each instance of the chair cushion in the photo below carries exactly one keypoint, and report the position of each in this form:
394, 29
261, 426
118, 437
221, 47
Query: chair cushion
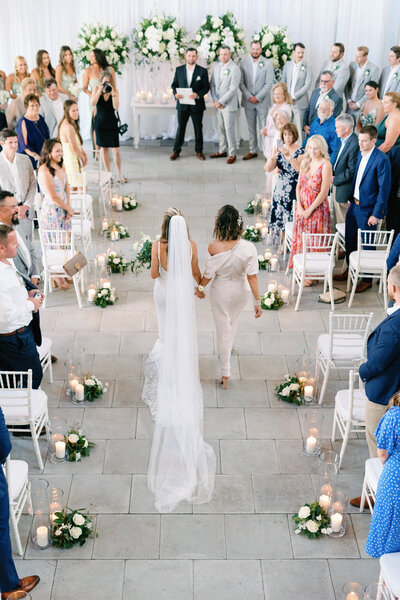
390, 565
346, 346
45, 347
373, 470
17, 472
341, 228
342, 404
372, 261
15, 414
317, 263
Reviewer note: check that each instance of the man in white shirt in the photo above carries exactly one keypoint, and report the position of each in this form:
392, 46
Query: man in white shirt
298, 77
361, 71
18, 350
338, 67
52, 106
390, 77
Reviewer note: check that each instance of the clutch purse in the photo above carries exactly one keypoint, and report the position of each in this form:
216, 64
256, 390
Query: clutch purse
75, 264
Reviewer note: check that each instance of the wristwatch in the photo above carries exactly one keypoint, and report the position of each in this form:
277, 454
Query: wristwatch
200, 288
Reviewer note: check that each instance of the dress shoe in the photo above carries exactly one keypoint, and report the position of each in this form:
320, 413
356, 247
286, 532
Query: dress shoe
219, 155
362, 286
341, 276
54, 359
231, 160
357, 502
250, 155
200, 156
174, 156
26, 584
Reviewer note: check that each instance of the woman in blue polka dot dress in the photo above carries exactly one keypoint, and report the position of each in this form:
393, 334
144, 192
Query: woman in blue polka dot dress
384, 531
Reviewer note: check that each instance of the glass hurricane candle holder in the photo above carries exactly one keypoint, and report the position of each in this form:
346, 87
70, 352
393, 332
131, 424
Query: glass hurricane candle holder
307, 382
57, 445
352, 591
327, 478
313, 433
338, 511
55, 503
377, 591
41, 527
19, 595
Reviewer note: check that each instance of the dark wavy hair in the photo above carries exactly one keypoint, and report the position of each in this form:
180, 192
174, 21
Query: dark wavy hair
228, 224
101, 59
75, 124
45, 155
374, 85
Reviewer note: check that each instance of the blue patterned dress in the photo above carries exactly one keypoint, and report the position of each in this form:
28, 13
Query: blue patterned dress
51, 215
384, 531
284, 191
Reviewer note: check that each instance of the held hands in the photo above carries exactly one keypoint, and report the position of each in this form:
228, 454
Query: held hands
218, 104
200, 295
263, 131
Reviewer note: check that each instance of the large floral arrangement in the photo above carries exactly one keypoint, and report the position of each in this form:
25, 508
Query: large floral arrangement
215, 32
159, 38
115, 46
312, 520
276, 45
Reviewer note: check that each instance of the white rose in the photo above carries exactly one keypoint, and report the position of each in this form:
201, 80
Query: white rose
284, 57
319, 518
268, 52
304, 512
212, 55
145, 51
111, 48
116, 261
140, 35
113, 34
294, 386
324, 531
104, 292
124, 53
260, 257
73, 438
297, 531
112, 298
76, 532
89, 382
256, 38
312, 526
78, 519
93, 38
286, 390
198, 37
85, 445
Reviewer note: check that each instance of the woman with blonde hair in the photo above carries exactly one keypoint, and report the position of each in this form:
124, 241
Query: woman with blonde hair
44, 70
66, 72
311, 212
17, 108
182, 466
389, 127
14, 80
73, 154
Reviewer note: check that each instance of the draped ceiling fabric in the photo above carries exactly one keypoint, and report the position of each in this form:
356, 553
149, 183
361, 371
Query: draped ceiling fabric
26, 27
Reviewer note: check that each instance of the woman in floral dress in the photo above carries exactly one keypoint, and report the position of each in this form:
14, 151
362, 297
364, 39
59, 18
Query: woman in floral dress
311, 213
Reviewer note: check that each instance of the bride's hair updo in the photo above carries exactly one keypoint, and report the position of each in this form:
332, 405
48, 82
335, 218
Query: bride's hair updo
169, 213
228, 224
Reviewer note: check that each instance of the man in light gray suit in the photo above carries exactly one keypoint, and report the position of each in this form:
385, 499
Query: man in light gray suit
52, 106
256, 83
225, 81
17, 176
361, 71
390, 77
298, 77
338, 67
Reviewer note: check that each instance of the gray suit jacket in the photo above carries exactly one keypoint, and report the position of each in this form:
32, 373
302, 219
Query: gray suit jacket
341, 74
47, 112
26, 178
371, 73
20, 262
225, 85
394, 84
303, 83
262, 85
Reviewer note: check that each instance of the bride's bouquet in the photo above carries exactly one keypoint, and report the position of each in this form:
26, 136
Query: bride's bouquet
115, 46
159, 38
215, 32
143, 254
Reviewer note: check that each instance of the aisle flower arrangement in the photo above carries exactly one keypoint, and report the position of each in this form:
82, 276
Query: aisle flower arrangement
129, 202
254, 206
143, 254
215, 32
312, 521
93, 388
271, 301
252, 234
77, 445
276, 45
159, 38
117, 263
115, 46
263, 263
116, 231
290, 390
105, 297
71, 527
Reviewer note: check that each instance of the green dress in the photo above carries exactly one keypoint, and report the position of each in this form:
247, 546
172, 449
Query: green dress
381, 127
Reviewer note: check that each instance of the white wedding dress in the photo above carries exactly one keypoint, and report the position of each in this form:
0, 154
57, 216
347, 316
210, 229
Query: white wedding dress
182, 465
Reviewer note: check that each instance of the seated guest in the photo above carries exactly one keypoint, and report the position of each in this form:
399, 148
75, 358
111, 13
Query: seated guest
16, 108
52, 106
361, 71
32, 130
17, 176
324, 125
285, 185
73, 154
311, 213
325, 90
43, 71
14, 80
390, 76
338, 67
369, 195
344, 162
371, 111
384, 532
389, 128
66, 72
393, 213
297, 75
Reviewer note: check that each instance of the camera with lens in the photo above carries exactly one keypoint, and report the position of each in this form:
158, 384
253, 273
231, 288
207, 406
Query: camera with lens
107, 88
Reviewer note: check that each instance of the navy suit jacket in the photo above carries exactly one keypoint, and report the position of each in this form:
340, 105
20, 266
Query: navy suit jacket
311, 112
375, 184
381, 372
5, 442
393, 214
394, 254
200, 84
345, 168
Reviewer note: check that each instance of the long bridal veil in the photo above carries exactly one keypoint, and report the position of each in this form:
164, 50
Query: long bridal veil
182, 465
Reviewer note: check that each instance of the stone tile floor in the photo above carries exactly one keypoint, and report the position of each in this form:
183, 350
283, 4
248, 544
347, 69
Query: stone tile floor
242, 544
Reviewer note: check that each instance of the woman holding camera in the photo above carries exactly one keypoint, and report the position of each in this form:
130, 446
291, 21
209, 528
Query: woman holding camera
105, 98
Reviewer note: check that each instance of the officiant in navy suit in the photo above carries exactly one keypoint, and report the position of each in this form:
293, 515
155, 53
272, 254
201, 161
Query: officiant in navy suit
190, 75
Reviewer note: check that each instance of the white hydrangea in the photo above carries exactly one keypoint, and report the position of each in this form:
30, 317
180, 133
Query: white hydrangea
76, 532
304, 512
78, 519
216, 22
256, 38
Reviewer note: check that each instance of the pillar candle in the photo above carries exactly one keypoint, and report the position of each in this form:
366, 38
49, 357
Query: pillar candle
60, 449
42, 536
336, 522
79, 392
311, 444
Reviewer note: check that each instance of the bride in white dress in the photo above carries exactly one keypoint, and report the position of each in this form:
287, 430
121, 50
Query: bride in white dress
182, 465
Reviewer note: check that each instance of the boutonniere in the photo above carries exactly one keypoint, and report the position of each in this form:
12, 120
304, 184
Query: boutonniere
226, 72
396, 75
198, 78
367, 72
303, 68
327, 96
261, 65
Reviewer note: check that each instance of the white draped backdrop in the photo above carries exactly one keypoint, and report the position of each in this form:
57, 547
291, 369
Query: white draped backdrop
26, 27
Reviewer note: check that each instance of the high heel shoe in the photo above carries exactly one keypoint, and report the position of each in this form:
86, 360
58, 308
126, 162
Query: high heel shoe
63, 285
223, 381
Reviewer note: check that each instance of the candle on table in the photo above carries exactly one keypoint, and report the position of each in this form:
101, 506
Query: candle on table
324, 502
336, 522
114, 236
42, 536
311, 444
285, 294
60, 446
143, 94
79, 392
264, 231
308, 391
149, 97
138, 96
274, 263
259, 225
164, 98
91, 295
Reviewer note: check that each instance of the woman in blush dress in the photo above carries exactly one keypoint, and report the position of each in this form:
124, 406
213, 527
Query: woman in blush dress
231, 263
311, 213
14, 80
43, 70
371, 112
66, 72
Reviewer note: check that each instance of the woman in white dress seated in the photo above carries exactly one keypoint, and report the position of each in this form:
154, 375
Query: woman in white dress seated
231, 263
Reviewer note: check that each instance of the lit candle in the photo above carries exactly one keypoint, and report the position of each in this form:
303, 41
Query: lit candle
308, 391
91, 295
114, 236
336, 522
285, 294
107, 284
259, 225
272, 287
73, 383
138, 96
274, 263
264, 231
105, 224
143, 94
79, 392
324, 502
149, 97
311, 444
164, 98
264, 208
101, 260
42, 536
118, 203
60, 446
352, 596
